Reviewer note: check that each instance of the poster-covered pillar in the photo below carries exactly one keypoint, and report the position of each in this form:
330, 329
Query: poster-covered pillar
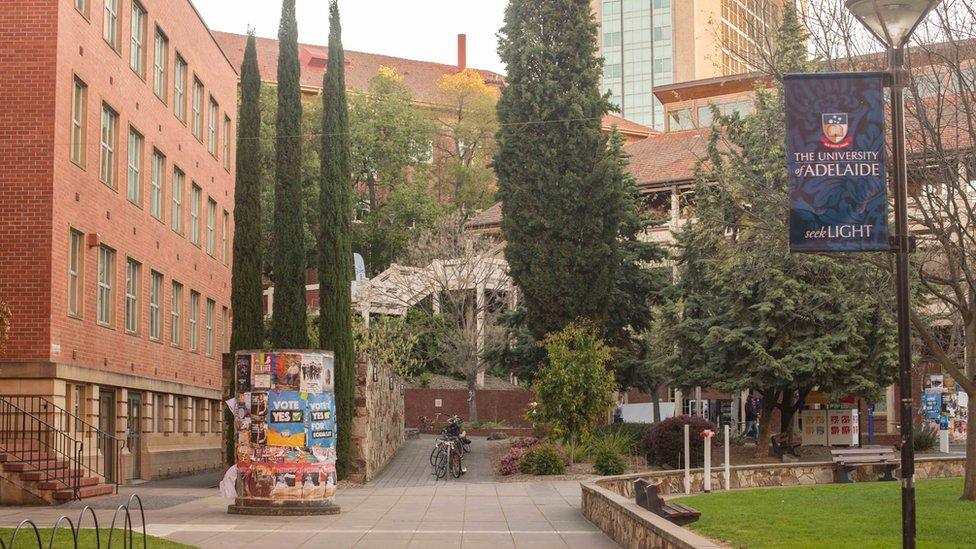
284, 418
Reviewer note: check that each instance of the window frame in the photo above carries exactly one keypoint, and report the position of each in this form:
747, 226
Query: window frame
211, 241
76, 273
196, 109
79, 128
84, 8
213, 133
176, 314
226, 136
210, 316
224, 237
196, 198
105, 294
108, 147
139, 170
157, 186
179, 87
193, 321
133, 290
160, 71
137, 48
156, 281
111, 15
176, 199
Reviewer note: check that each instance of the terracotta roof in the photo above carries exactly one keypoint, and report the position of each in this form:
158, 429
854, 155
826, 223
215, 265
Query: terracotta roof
626, 127
421, 77
668, 157
492, 217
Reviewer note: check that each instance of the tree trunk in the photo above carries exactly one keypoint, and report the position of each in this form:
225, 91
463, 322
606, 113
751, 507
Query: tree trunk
371, 186
786, 412
473, 398
765, 423
969, 489
656, 405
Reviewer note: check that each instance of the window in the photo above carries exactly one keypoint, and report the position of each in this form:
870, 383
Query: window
194, 318
195, 197
79, 110
226, 142
175, 314
178, 414
134, 192
177, 209
179, 89
212, 127
679, 120
109, 142
110, 27
159, 411
224, 227
106, 279
160, 62
197, 122
200, 412
155, 298
137, 52
156, 182
133, 274
76, 250
209, 326
224, 330
82, 7
211, 223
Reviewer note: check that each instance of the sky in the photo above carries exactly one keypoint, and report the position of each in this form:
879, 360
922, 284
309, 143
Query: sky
425, 30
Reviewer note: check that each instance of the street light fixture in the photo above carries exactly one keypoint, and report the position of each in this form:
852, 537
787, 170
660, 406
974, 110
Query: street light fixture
893, 22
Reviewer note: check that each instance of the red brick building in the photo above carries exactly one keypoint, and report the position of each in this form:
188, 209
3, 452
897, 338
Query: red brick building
117, 162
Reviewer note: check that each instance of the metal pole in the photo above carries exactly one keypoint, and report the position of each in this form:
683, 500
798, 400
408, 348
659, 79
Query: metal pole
896, 63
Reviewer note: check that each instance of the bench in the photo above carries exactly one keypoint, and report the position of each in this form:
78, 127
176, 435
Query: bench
784, 443
847, 459
649, 498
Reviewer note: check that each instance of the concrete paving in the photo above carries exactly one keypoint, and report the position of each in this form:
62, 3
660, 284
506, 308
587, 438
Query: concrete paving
404, 507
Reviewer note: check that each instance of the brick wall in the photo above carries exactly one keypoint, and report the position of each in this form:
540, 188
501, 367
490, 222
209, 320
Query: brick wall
493, 405
48, 194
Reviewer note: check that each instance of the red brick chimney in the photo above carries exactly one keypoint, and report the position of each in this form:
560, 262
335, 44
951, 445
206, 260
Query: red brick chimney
462, 60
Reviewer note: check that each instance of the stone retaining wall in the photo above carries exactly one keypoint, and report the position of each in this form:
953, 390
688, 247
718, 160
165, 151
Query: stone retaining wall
377, 428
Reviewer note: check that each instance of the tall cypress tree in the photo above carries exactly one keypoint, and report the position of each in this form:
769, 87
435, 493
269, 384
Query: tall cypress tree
334, 242
289, 328
246, 290
562, 206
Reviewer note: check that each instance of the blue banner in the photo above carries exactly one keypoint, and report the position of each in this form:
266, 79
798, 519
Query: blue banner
835, 146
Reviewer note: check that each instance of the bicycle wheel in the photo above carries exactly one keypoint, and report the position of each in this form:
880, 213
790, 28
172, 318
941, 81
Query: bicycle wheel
440, 470
433, 454
456, 465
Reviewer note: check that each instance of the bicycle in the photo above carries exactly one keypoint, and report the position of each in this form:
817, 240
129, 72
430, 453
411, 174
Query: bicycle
448, 458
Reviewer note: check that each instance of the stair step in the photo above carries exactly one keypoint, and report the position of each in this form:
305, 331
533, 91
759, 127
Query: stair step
62, 484
85, 492
50, 474
44, 465
25, 455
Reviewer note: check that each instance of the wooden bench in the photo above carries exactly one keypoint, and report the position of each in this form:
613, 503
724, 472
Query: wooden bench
847, 459
784, 443
649, 498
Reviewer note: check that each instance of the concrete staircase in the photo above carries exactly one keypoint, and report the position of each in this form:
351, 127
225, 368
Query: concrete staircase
33, 476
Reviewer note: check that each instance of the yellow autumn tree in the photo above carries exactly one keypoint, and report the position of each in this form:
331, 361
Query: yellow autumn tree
466, 140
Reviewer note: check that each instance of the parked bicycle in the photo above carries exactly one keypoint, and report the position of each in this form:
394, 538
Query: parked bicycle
448, 458
450, 447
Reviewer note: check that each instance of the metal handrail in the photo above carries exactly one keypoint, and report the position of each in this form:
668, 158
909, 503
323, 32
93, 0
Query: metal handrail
62, 420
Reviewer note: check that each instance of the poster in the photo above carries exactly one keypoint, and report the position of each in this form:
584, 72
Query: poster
321, 421
842, 427
814, 427
317, 373
835, 143
261, 371
286, 420
243, 371
287, 371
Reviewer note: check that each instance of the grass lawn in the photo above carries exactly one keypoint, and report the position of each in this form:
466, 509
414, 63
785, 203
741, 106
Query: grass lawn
858, 515
27, 540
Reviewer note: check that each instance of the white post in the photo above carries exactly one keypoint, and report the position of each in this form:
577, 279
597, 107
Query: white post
944, 439
687, 460
707, 473
728, 471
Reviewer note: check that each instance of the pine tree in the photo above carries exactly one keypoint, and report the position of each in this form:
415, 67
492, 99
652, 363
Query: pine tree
246, 290
562, 207
289, 319
335, 248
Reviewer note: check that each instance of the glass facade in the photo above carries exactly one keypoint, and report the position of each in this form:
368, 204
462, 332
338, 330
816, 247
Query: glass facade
638, 54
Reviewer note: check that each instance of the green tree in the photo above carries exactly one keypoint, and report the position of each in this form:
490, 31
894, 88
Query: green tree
562, 206
247, 288
574, 389
335, 249
290, 315
748, 314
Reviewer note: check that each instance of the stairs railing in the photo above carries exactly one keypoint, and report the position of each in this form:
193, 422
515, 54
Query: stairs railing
26, 420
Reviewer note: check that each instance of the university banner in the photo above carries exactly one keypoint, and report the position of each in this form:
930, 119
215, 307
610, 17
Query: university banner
835, 146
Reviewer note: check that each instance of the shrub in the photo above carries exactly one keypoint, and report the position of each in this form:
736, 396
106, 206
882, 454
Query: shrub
425, 379
633, 431
511, 461
608, 461
925, 437
497, 435
543, 459
664, 442
525, 442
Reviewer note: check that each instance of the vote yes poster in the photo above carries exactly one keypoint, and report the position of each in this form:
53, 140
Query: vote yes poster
835, 143
286, 419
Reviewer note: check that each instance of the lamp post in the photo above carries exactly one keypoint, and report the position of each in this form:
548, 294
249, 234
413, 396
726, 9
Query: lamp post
893, 22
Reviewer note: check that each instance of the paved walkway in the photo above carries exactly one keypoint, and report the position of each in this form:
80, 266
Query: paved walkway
403, 507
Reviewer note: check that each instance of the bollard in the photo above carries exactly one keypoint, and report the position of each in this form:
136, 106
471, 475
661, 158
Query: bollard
728, 471
707, 473
944, 434
687, 460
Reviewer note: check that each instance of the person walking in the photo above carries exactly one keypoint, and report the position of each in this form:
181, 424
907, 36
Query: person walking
752, 417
